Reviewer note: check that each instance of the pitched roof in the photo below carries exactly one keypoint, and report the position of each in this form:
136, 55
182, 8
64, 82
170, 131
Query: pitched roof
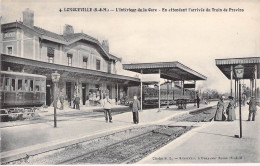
66, 40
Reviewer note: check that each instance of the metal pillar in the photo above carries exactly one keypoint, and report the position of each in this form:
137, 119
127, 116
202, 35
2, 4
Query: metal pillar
167, 94
236, 91
55, 104
141, 93
240, 118
172, 91
252, 90
255, 81
231, 78
250, 87
159, 95
194, 92
116, 93
183, 87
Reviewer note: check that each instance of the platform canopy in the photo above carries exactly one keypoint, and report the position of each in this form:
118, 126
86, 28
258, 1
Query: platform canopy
44, 68
251, 66
174, 71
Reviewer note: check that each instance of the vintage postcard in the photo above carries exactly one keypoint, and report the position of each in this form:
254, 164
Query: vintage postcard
129, 82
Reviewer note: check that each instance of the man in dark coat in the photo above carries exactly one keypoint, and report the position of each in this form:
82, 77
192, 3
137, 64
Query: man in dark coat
135, 107
252, 108
198, 100
77, 101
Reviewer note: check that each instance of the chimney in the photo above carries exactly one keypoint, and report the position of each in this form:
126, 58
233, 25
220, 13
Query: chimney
67, 30
28, 18
105, 45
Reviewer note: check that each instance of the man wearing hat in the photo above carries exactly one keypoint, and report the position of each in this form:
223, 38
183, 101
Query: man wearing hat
135, 107
198, 100
252, 108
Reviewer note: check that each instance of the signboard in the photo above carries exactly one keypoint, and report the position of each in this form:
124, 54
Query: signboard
189, 86
150, 78
9, 35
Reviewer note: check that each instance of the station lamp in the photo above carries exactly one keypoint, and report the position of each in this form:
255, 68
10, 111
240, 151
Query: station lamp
55, 77
239, 71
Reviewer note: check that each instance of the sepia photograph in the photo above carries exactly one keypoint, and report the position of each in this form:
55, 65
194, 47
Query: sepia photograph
89, 82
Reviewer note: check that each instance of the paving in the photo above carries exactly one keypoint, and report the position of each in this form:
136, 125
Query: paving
214, 142
20, 140
46, 114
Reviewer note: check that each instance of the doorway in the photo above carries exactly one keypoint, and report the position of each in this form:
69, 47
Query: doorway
48, 92
68, 92
84, 86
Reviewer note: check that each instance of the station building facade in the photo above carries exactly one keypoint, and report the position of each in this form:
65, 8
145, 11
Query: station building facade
86, 66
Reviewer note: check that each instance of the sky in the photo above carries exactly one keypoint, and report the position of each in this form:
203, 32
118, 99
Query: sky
195, 39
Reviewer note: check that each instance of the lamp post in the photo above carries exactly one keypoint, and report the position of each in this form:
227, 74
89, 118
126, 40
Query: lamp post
239, 70
55, 77
167, 82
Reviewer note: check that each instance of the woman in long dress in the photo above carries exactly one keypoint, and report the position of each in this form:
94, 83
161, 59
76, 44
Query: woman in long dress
231, 110
219, 116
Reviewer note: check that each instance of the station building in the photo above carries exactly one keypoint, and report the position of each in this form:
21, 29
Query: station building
87, 67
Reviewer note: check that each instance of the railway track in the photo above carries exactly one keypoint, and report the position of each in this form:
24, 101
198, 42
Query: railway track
123, 147
129, 150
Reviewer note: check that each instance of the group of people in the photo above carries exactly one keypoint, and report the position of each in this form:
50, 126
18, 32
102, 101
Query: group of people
136, 106
76, 102
229, 113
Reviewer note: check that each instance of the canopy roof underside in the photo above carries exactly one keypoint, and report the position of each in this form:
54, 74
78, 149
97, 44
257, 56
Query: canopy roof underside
174, 71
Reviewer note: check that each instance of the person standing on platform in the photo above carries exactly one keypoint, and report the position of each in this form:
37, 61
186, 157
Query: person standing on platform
244, 99
198, 100
74, 102
220, 116
231, 109
107, 109
252, 108
135, 108
62, 98
77, 102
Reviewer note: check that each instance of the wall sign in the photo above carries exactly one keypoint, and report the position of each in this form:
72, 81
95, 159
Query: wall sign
9, 35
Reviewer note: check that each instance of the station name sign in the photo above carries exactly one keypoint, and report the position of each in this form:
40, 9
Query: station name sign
189, 85
9, 35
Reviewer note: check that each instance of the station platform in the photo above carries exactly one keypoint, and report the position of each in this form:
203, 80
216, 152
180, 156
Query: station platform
46, 114
213, 143
22, 140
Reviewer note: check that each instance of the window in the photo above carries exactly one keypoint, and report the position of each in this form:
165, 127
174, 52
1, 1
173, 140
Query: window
69, 59
109, 67
20, 85
31, 85
1, 83
27, 85
37, 85
10, 50
50, 54
97, 64
85, 62
13, 85
7, 84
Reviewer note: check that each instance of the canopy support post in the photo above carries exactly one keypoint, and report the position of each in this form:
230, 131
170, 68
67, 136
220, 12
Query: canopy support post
117, 94
194, 92
141, 93
255, 81
159, 95
167, 94
183, 88
231, 78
